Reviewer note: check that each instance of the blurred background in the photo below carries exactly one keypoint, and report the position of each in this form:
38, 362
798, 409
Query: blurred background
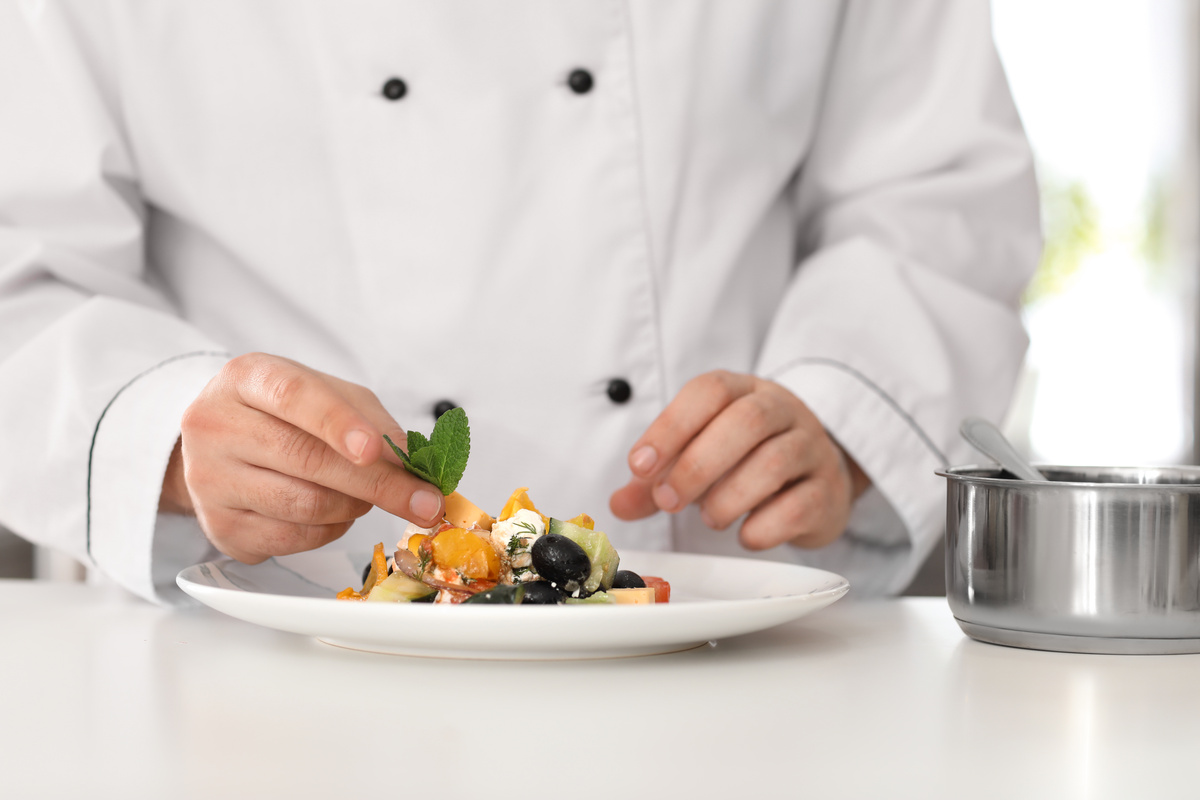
1107, 90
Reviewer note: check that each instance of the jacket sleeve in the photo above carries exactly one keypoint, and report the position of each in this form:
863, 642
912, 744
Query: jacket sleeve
95, 368
918, 229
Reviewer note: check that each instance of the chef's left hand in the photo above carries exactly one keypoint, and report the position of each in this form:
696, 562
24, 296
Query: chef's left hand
736, 444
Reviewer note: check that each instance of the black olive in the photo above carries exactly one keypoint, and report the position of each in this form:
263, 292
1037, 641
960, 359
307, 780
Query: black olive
541, 593
560, 561
624, 579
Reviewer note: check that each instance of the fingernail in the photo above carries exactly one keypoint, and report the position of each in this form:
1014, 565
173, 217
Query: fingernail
707, 520
643, 459
665, 497
356, 442
424, 504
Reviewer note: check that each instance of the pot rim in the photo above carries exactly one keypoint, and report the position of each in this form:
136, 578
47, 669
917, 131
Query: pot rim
1191, 473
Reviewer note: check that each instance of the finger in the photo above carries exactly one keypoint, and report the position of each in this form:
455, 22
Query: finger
237, 485
809, 513
280, 447
368, 404
633, 501
290, 499
775, 463
252, 538
724, 443
308, 400
701, 399
399, 438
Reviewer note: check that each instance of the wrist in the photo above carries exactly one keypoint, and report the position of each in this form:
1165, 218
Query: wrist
859, 481
174, 498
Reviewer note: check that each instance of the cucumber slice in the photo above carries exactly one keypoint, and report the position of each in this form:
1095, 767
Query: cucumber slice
399, 588
596, 599
601, 553
505, 593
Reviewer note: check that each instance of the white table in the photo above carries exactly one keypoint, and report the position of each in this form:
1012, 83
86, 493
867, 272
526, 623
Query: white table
105, 696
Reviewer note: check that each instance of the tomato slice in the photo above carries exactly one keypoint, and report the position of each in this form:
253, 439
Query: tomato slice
414, 542
662, 589
466, 552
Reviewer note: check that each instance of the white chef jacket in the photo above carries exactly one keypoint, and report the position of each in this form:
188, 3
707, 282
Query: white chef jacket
833, 195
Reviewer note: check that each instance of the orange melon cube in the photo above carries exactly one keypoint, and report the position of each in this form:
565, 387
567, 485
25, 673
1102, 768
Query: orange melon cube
462, 513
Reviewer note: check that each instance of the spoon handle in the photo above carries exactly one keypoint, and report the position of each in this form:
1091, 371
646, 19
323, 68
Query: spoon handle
988, 439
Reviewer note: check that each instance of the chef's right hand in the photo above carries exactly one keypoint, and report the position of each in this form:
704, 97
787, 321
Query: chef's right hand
276, 458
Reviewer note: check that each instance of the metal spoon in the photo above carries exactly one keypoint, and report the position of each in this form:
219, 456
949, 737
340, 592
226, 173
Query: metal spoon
988, 440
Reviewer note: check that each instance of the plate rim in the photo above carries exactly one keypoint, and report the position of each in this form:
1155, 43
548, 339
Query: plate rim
697, 620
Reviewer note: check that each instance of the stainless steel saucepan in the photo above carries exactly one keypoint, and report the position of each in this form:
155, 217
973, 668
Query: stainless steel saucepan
1091, 560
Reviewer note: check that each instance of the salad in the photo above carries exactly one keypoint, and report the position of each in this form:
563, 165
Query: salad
520, 557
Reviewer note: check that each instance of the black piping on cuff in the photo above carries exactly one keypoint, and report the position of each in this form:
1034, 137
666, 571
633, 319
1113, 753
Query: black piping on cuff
895, 406
100, 419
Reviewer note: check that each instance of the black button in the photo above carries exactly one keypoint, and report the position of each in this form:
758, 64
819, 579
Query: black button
619, 390
394, 89
580, 81
442, 406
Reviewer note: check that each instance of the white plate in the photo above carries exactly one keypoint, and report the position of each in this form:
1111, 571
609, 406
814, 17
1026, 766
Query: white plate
711, 598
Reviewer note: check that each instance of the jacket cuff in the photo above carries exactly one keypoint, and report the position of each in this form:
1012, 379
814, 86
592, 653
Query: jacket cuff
127, 538
897, 522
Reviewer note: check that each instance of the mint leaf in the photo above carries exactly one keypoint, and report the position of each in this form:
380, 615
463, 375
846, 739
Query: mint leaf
452, 436
403, 455
430, 465
416, 441
442, 458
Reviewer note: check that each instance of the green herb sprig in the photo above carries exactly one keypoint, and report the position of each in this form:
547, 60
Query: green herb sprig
442, 458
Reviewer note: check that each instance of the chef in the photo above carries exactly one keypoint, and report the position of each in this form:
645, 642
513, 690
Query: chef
723, 275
